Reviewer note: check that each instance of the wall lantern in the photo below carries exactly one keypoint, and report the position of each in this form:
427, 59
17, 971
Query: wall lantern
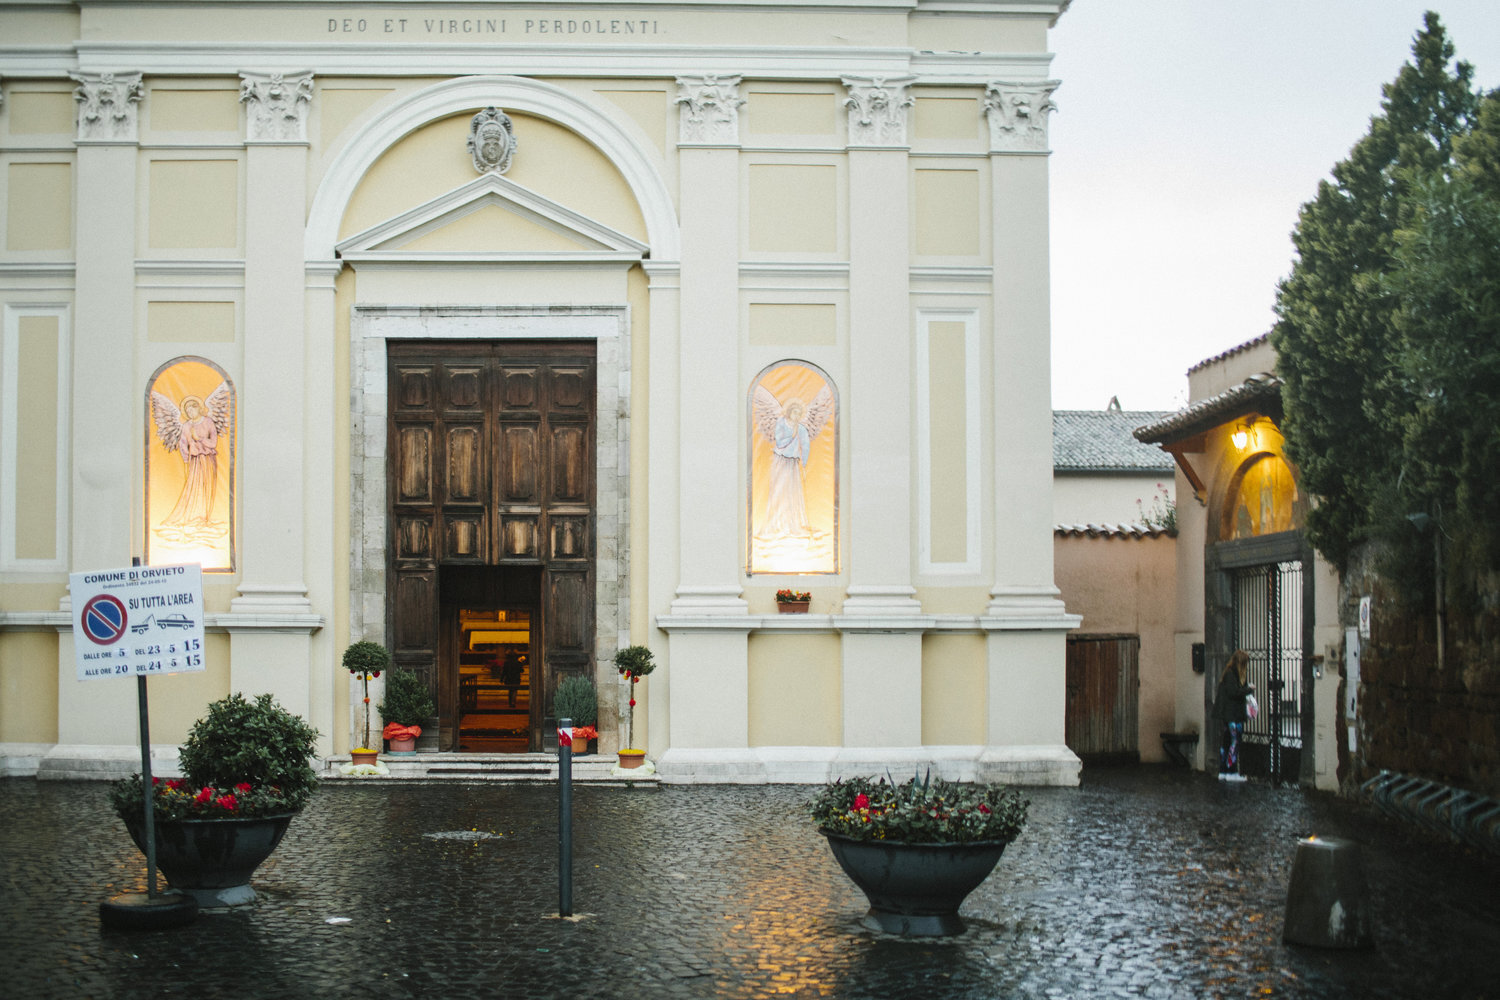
1242, 434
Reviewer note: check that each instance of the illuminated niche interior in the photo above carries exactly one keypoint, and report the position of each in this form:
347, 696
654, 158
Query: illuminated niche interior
1264, 500
793, 522
190, 451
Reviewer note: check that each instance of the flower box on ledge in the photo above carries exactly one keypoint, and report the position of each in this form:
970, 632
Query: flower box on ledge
793, 602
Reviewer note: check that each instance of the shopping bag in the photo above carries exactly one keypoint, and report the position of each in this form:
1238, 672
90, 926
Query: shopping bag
1252, 707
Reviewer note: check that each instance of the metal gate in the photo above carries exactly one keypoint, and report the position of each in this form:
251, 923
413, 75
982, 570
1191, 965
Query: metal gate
1103, 692
1267, 624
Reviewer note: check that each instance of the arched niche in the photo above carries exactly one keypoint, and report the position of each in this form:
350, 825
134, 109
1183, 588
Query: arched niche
793, 475
190, 451
1263, 498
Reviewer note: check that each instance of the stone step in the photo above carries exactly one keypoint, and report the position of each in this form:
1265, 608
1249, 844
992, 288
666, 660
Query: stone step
591, 769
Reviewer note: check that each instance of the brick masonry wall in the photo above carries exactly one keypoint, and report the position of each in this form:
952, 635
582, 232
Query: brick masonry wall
1415, 718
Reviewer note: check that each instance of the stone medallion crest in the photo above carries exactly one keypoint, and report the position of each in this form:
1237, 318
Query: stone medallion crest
492, 141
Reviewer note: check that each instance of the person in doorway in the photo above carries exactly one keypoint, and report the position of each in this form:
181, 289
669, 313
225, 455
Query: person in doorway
1229, 710
510, 675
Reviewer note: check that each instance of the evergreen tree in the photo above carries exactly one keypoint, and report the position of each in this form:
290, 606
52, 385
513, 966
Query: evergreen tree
1339, 344
1447, 284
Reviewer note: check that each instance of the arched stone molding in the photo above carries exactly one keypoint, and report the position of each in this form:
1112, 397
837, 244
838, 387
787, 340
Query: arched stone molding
515, 95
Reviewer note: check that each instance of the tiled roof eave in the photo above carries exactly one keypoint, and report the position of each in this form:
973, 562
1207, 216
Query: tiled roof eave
1129, 531
1259, 393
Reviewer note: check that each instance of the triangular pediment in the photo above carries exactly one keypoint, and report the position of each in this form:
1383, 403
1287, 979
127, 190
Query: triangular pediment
491, 218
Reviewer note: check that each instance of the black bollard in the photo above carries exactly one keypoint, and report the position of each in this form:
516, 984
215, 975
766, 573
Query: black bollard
1327, 904
565, 817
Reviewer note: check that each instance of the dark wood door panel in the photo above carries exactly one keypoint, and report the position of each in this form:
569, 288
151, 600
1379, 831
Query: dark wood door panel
491, 464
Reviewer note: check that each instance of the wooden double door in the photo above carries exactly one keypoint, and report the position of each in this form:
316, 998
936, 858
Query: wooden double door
490, 467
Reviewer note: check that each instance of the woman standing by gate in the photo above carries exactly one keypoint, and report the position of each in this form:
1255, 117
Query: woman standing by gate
1230, 711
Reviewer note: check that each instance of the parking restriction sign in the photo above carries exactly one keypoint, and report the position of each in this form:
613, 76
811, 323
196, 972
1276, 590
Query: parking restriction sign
138, 621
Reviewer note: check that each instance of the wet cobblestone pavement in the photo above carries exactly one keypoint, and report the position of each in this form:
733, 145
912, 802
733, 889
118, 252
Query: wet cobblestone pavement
1145, 882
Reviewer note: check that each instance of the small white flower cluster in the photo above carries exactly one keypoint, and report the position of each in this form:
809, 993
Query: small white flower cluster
645, 770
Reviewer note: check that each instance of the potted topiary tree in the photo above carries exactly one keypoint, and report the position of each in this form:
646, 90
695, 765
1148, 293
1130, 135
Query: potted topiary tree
247, 773
366, 659
917, 849
406, 706
576, 700
633, 662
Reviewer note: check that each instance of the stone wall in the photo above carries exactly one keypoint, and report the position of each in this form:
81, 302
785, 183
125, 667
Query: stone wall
1414, 717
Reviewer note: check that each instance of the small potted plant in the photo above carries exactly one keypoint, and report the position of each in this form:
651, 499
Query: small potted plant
917, 849
366, 659
406, 706
247, 773
576, 700
633, 662
793, 602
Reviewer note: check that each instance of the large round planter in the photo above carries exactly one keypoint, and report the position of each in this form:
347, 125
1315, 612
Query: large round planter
404, 746
915, 889
212, 859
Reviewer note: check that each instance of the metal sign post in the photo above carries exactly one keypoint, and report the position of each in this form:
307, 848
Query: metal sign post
143, 620
565, 817
148, 803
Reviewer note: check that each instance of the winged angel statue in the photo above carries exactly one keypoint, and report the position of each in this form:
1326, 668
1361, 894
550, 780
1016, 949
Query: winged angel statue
790, 429
193, 432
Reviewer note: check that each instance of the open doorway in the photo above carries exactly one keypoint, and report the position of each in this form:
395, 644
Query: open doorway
494, 680
491, 637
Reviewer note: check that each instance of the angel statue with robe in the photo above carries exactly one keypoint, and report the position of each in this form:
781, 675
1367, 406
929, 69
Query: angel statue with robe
790, 428
193, 432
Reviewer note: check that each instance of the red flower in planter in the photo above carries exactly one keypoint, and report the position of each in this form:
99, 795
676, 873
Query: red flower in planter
205, 795
861, 801
243, 788
227, 803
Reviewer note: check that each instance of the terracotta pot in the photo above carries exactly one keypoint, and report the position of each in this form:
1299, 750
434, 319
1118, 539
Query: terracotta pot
632, 758
793, 607
365, 756
404, 746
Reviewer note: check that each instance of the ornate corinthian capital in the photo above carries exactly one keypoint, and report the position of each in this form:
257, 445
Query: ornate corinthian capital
710, 110
1018, 114
107, 106
276, 105
878, 112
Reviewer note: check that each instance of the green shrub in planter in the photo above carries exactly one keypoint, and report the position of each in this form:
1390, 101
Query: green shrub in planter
576, 700
407, 701
256, 743
924, 810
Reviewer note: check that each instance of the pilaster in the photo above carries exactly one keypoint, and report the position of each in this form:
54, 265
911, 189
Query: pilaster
105, 508
709, 689
1025, 624
882, 666
276, 424
880, 349
710, 397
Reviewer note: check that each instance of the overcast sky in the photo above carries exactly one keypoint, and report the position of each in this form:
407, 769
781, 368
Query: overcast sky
1188, 134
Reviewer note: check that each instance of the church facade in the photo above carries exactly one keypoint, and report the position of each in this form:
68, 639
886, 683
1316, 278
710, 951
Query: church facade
519, 333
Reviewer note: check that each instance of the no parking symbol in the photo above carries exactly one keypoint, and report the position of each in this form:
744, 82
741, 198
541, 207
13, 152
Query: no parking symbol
103, 619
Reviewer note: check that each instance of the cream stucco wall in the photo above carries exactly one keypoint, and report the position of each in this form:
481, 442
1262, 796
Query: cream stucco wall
1087, 498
